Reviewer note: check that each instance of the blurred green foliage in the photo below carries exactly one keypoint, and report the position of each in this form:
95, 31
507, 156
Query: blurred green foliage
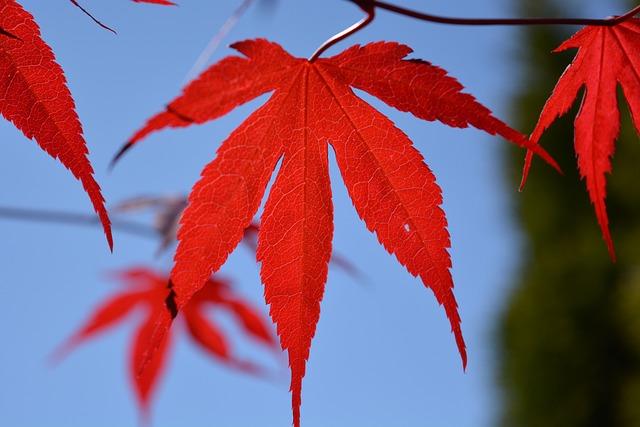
570, 335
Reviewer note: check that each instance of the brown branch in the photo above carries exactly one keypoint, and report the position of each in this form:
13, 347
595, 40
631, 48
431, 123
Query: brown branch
499, 21
370, 6
72, 218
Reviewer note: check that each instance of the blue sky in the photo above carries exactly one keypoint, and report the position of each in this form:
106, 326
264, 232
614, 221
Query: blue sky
383, 355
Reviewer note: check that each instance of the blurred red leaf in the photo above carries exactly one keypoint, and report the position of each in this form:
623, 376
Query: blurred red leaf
147, 290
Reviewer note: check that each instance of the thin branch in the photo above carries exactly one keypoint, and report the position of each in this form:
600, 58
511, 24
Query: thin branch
370, 6
93, 18
133, 228
72, 218
607, 22
217, 39
371, 14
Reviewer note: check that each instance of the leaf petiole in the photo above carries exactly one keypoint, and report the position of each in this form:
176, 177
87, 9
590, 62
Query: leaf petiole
366, 6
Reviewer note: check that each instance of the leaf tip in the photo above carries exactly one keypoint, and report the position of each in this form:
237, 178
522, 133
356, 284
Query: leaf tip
60, 353
525, 170
606, 234
116, 158
462, 348
110, 241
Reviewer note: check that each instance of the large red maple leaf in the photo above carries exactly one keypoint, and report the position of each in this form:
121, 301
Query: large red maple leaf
312, 106
146, 289
607, 57
34, 96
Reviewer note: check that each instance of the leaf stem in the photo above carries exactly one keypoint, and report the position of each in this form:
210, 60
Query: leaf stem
501, 21
366, 6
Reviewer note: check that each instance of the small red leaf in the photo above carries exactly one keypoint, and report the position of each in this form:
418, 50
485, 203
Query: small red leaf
607, 57
151, 342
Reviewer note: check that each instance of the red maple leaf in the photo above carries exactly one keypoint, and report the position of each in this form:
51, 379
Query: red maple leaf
34, 96
312, 106
147, 289
607, 56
